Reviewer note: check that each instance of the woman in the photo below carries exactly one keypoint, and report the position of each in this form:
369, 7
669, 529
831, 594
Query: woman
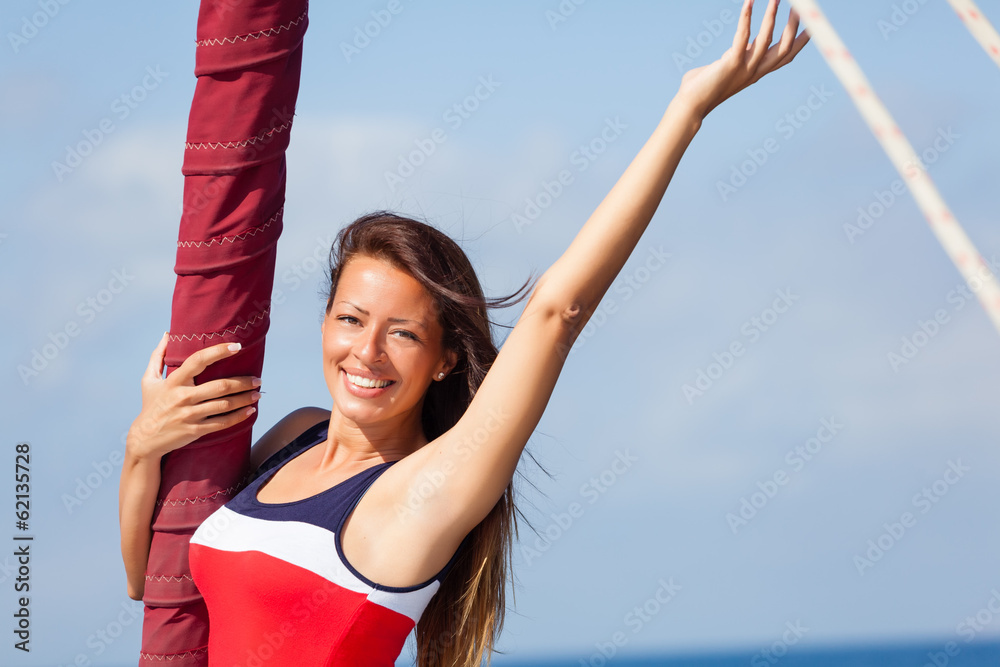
395, 508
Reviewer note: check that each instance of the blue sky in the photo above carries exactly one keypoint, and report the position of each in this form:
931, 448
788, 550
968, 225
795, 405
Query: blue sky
647, 478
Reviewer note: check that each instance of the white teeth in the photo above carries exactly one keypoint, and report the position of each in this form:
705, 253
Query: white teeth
366, 382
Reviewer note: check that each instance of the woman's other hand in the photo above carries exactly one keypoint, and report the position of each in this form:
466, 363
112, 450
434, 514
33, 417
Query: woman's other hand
176, 412
706, 87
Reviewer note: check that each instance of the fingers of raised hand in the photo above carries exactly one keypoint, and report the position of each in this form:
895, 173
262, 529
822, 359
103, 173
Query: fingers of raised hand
763, 41
791, 42
743, 28
797, 44
784, 52
791, 29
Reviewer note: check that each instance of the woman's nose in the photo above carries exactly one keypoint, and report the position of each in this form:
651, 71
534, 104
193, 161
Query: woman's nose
370, 346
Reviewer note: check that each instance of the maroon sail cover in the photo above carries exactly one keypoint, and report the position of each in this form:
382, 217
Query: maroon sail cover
248, 61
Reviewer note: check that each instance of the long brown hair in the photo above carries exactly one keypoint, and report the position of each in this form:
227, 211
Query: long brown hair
464, 618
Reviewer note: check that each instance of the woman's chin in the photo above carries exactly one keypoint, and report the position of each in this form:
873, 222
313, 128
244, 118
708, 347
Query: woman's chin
359, 411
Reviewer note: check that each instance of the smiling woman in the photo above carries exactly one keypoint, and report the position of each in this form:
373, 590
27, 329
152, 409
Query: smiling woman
395, 508
403, 363
399, 373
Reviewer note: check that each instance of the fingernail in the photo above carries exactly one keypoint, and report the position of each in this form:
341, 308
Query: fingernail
234, 347
250, 411
255, 382
255, 396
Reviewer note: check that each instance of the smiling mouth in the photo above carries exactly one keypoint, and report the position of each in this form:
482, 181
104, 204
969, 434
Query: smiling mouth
367, 383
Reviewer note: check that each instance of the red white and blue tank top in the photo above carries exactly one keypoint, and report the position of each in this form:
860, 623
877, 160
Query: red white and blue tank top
278, 588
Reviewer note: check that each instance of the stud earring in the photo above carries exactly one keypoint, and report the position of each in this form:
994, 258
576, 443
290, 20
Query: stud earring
440, 376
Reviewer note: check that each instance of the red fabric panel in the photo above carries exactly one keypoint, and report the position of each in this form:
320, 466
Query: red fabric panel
248, 62
375, 637
290, 616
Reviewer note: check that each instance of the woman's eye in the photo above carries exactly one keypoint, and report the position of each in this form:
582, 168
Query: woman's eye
402, 333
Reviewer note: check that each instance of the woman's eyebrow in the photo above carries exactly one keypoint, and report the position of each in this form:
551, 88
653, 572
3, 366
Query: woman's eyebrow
399, 320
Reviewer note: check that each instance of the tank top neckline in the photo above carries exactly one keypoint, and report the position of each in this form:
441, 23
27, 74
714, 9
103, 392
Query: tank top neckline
316, 434
263, 479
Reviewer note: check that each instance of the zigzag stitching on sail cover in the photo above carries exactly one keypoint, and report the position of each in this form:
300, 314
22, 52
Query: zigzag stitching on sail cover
253, 320
168, 577
231, 239
199, 499
237, 144
204, 499
172, 656
270, 32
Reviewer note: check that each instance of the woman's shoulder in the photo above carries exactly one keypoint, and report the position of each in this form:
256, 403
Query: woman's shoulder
285, 431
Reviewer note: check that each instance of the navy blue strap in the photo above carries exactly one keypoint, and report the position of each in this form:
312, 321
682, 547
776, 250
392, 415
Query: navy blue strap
305, 439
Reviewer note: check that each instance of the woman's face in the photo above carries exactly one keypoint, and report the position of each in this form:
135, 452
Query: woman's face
382, 343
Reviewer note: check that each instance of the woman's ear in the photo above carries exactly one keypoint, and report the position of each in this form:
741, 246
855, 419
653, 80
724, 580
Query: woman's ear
451, 359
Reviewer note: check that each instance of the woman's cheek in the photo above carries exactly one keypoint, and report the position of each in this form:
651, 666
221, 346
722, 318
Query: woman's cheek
334, 343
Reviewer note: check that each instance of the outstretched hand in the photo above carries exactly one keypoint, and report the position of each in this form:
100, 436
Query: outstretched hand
706, 87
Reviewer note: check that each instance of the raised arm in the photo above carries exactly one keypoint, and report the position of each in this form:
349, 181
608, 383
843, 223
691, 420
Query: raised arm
476, 459
582, 275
